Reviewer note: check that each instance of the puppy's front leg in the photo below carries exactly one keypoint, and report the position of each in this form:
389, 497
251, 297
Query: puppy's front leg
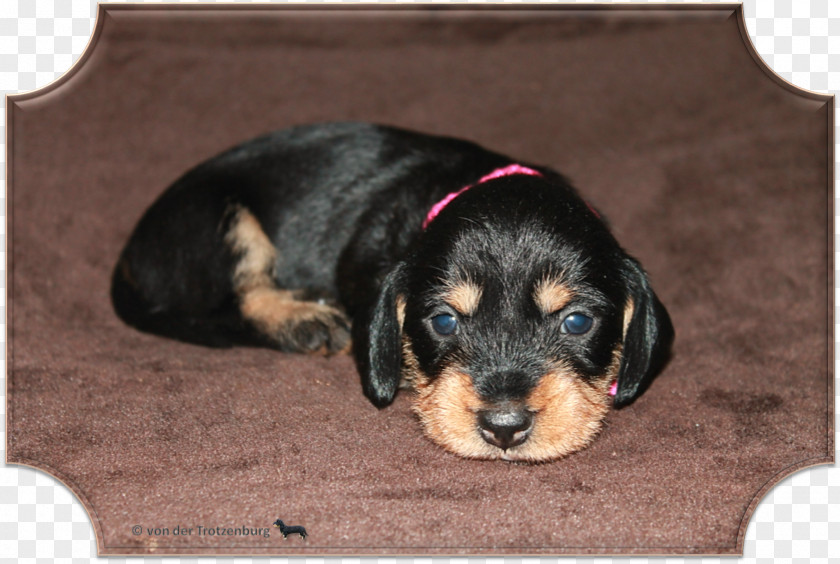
279, 315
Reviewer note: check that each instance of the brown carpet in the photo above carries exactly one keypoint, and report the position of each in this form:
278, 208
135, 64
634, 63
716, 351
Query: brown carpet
712, 172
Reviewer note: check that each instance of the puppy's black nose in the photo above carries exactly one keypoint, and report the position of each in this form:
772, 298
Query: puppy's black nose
505, 428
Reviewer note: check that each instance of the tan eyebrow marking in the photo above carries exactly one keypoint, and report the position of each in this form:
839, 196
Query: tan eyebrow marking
463, 295
551, 295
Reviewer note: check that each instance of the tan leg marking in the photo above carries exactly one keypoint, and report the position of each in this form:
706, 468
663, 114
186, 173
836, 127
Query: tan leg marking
257, 256
299, 325
291, 324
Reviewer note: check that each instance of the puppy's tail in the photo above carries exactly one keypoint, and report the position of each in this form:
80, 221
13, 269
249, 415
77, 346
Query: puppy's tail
221, 329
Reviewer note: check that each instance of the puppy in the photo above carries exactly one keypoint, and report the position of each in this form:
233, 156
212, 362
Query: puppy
485, 284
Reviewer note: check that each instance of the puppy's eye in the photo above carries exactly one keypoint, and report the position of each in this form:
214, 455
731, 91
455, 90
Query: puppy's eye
444, 324
576, 324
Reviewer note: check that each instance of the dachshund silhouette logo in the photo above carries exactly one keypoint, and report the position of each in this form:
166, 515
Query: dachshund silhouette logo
287, 530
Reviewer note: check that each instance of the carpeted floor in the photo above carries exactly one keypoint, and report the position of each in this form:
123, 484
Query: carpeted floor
711, 171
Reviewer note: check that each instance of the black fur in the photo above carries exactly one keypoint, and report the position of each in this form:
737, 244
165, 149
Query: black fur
343, 204
287, 530
377, 341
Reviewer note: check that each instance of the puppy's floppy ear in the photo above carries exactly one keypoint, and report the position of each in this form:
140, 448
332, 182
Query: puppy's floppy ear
647, 338
377, 341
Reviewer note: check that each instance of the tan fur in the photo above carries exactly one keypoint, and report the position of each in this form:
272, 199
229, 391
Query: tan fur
276, 310
447, 409
412, 376
463, 295
401, 311
410, 369
257, 255
568, 413
551, 295
273, 311
629, 308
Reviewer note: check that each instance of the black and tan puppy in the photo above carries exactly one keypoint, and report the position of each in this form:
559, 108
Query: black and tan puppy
485, 284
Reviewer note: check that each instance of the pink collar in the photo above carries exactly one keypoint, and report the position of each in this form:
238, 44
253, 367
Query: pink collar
508, 170
498, 173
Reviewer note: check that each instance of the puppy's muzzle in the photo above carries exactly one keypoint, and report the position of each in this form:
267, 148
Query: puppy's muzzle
505, 427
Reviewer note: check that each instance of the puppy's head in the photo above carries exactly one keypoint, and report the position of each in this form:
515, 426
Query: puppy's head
511, 319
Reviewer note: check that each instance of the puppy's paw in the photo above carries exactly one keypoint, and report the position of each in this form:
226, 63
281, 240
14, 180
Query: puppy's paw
292, 325
316, 328
321, 297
